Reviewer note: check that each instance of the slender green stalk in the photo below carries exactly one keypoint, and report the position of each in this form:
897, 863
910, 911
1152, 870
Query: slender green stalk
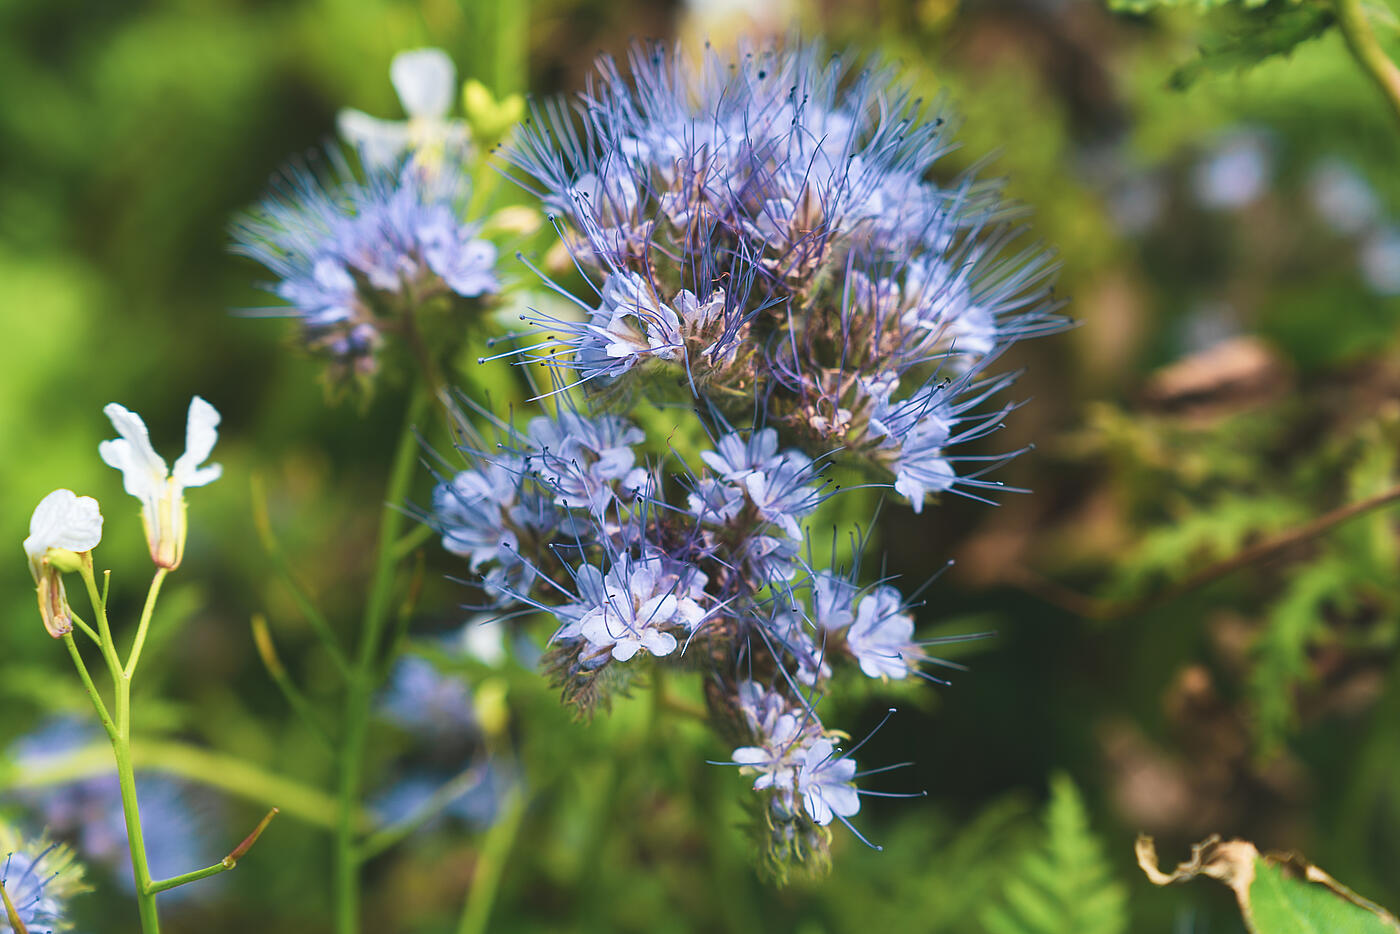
152, 595
86, 629
1361, 40
490, 865
224, 865
104, 629
131, 810
93, 695
362, 682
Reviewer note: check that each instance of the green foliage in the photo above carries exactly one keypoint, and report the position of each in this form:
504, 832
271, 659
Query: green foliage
1235, 40
1292, 624
1211, 533
1065, 885
1280, 904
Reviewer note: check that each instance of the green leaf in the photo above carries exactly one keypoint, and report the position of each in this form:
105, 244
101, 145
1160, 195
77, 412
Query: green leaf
1064, 886
1281, 905
1277, 894
1237, 40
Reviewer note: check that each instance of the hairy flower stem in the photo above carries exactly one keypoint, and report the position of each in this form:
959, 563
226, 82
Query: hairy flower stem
363, 676
1361, 40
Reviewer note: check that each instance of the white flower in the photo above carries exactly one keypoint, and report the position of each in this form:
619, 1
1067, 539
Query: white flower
426, 82
66, 522
162, 492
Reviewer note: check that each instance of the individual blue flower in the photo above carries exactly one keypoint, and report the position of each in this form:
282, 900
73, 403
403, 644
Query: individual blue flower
642, 603
781, 732
471, 512
778, 483
915, 434
833, 600
825, 782
584, 461
882, 636
352, 254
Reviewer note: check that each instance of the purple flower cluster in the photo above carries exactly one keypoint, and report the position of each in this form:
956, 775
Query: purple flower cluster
768, 249
769, 228
356, 255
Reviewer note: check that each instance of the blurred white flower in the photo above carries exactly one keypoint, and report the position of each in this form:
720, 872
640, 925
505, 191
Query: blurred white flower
162, 492
426, 82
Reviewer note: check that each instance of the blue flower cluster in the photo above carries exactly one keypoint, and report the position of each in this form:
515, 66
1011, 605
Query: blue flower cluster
770, 228
768, 247
356, 255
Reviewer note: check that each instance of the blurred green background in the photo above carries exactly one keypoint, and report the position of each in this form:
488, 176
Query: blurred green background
1231, 251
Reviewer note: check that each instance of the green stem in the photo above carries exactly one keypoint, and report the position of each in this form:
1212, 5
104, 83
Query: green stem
152, 595
87, 630
175, 881
362, 683
1361, 40
104, 628
93, 695
490, 865
136, 840
224, 865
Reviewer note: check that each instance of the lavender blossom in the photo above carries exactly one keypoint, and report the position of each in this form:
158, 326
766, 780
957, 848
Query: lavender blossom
353, 254
881, 638
769, 264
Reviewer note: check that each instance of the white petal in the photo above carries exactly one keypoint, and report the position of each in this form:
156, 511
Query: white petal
625, 649
380, 142
201, 432
63, 519
750, 755
659, 643
425, 80
143, 470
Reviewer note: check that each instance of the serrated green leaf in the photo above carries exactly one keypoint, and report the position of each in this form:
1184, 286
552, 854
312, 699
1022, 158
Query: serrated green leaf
1237, 41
